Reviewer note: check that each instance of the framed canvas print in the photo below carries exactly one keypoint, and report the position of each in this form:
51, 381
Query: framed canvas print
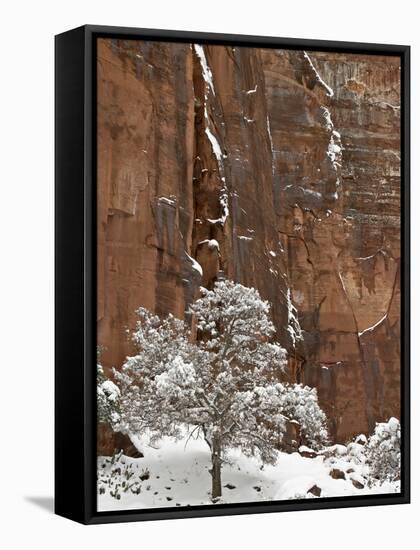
232, 274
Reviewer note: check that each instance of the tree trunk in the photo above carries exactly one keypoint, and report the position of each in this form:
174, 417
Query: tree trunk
216, 470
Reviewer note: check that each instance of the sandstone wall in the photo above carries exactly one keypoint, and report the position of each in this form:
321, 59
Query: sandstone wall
279, 169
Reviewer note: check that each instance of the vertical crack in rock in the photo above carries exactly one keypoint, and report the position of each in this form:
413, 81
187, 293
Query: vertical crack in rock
217, 151
209, 182
270, 139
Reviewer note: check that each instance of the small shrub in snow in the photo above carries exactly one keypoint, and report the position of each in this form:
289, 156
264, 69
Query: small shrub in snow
300, 403
383, 452
116, 477
355, 450
224, 385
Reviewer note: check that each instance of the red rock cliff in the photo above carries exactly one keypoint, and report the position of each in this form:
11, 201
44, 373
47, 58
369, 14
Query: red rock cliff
279, 169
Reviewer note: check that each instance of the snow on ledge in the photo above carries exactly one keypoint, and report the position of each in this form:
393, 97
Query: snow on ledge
253, 91
370, 329
329, 90
244, 238
224, 203
211, 243
207, 74
168, 201
195, 265
215, 146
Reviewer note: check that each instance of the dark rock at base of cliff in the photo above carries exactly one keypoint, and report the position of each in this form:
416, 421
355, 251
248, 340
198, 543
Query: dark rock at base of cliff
307, 453
357, 484
109, 442
315, 490
335, 473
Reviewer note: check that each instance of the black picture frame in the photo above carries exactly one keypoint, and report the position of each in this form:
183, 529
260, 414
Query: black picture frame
75, 265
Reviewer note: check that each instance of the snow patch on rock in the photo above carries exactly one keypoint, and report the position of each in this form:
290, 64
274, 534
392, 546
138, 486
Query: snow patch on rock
195, 265
370, 329
293, 327
212, 244
330, 92
207, 74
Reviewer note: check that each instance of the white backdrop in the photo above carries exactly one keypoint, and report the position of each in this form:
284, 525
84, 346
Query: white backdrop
26, 273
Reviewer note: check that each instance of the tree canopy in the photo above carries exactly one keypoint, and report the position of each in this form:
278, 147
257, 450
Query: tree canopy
222, 382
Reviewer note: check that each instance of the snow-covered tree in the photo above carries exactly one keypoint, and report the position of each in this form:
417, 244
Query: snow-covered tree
300, 403
223, 383
383, 451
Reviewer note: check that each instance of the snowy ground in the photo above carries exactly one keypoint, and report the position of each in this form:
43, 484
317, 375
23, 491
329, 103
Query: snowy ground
178, 476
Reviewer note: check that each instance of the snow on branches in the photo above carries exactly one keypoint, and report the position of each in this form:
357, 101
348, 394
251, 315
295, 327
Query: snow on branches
107, 396
223, 384
300, 403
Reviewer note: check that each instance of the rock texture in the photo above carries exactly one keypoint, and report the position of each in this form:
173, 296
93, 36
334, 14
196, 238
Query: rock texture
278, 169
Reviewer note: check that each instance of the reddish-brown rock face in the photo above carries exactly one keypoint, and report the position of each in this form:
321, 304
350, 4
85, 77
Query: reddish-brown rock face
278, 168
